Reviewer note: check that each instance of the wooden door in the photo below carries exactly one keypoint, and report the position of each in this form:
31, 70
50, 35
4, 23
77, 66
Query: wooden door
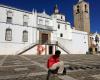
44, 38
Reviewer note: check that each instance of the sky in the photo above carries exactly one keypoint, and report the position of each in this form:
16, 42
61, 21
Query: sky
65, 7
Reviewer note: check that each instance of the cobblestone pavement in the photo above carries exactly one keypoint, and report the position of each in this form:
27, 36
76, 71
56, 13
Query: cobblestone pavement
31, 67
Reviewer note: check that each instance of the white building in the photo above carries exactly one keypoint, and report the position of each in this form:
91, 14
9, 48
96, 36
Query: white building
24, 32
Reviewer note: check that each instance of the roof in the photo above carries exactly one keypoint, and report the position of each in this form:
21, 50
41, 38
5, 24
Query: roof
13, 8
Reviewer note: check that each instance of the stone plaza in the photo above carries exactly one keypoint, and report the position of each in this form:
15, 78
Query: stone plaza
33, 67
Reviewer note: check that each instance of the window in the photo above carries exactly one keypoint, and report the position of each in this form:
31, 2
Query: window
25, 23
78, 9
65, 26
25, 20
40, 21
9, 17
58, 26
25, 36
47, 23
61, 35
61, 17
86, 8
8, 35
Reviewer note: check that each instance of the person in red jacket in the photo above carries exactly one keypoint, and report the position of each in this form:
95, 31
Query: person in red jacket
54, 62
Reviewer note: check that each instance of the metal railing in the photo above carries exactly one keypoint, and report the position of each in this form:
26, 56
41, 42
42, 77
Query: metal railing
26, 48
30, 46
63, 48
39, 42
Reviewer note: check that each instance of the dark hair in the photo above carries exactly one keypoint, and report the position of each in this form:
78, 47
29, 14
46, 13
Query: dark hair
57, 52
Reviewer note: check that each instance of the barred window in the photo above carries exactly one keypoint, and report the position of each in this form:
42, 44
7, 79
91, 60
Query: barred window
25, 20
25, 36
8, 35
9, 17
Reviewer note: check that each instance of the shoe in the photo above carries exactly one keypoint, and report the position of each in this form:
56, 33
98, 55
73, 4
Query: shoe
64, 71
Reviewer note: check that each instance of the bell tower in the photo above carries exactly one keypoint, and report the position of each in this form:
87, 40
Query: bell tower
81, 16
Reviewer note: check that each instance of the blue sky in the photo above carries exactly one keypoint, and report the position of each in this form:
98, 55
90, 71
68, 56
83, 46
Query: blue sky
65, 7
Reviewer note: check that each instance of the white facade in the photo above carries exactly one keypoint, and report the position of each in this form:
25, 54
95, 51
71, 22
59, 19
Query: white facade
78, 44
39, 27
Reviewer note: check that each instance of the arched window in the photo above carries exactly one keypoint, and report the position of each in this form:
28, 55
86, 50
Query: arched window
78, 9
86, 8
61, 17
9, 16
25, 20
8, 35
25, 36
61, 35
58, 26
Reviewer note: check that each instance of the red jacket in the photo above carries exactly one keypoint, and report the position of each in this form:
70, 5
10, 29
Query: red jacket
52, 60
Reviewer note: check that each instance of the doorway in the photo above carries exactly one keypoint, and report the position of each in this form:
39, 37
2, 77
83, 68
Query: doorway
44, 38
50, 49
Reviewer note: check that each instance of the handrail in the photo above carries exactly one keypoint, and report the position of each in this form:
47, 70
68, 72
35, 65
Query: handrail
40, 43
33, 45
26, 48
63, 48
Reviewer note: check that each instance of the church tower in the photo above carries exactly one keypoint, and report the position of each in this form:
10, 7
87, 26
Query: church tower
81, 16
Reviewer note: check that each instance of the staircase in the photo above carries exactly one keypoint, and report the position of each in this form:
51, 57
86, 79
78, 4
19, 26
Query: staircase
46, 43
59, 45
26, 49
33, 45
63, 48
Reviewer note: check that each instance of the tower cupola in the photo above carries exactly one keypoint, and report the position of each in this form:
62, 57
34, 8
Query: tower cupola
56, 10
81, 0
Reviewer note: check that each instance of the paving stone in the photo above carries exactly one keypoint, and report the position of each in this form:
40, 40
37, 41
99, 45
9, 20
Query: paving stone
4, 71
66, 78
81, 67
21, 69
97, 76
